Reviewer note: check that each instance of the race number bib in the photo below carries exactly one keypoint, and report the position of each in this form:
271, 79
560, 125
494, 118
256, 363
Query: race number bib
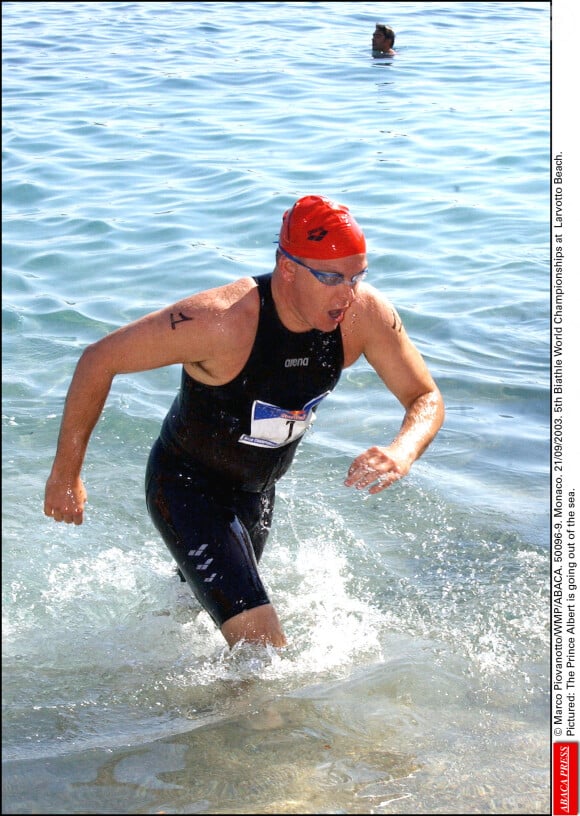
273, 427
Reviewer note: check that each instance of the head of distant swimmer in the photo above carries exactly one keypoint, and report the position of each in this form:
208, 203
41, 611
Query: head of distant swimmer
383, 38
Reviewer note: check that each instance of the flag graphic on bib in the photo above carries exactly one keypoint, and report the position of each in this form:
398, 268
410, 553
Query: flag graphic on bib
274, 427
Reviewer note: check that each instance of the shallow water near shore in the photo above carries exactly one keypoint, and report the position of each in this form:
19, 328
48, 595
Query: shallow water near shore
149, 152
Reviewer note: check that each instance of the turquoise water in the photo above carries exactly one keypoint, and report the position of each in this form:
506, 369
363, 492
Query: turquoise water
149, 151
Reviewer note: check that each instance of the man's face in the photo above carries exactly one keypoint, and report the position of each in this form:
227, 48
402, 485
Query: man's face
381, 41
321, 306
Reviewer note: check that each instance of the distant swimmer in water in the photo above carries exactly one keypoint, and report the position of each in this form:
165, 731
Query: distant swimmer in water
258, 357
383, 41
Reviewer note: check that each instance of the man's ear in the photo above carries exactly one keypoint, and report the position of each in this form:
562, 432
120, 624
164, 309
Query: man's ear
286, 268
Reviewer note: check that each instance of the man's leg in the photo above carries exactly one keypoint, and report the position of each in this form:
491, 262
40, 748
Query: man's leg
207, 530
258, 625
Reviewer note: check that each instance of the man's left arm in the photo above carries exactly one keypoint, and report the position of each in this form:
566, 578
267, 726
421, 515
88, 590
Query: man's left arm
401, 367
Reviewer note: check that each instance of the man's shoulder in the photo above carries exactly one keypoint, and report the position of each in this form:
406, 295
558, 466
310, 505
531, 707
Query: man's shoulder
223, 298
228, 311
365, 319
369, 298
233, 289
371, 311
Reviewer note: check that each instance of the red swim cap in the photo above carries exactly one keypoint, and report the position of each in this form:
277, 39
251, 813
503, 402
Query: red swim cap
316, 227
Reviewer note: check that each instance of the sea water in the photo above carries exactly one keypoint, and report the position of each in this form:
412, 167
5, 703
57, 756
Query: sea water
149, 151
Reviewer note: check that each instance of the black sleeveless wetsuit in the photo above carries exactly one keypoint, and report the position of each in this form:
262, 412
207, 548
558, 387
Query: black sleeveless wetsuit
211, 475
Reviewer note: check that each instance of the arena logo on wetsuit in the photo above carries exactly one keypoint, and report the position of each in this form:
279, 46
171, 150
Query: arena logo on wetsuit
273, 427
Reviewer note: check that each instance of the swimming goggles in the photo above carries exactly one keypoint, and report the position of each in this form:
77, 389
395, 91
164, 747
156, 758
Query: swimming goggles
328, 278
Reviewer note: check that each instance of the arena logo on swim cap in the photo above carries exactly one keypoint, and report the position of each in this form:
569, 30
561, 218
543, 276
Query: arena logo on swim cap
317, 234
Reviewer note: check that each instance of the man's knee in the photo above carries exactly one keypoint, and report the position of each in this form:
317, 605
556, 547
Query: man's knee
257, 625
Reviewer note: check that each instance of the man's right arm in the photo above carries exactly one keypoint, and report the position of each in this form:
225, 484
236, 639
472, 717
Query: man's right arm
150, 342
65, 495
203, 327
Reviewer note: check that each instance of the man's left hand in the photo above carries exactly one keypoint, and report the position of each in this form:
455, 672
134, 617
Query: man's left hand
377, 468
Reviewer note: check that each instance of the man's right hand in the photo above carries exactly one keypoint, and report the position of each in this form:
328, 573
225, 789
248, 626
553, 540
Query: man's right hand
65, 500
